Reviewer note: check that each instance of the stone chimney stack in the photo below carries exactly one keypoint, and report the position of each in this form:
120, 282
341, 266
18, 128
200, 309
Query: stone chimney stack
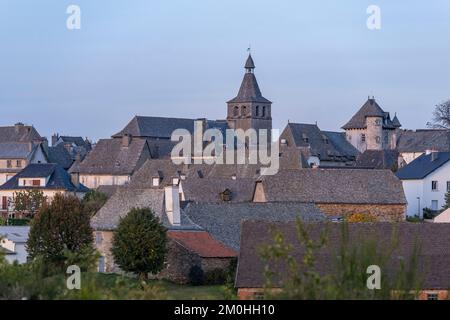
126, 140
18, 126
172, 202
55, 138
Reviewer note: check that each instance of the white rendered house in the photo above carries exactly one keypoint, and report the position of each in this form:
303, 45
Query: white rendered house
426, 180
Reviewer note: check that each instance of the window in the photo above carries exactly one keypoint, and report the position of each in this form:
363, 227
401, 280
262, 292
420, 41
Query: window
155, 182
236, 111
434, 205
18, 163
257, 111
434, 185
264, 111
377, 139
386, 138
448, 185
98, 238
101, 264
175, 181
4, 203
432, 296
36, 183
378, 122
363, 137
8, 163
244, 110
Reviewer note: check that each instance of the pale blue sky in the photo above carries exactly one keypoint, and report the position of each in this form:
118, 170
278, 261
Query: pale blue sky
316, 60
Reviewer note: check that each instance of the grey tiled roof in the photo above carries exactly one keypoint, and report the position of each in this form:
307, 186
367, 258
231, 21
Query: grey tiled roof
58, 178
223, 221
60, 155
118, 206
19, 133
369, 109
432, 238
326, 145
16, 150
162, 128
110, 157
349, 186
377, 159
78, 141
209, 189
422, 166
422, 140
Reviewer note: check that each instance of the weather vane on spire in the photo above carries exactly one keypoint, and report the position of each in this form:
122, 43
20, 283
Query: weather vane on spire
249, 49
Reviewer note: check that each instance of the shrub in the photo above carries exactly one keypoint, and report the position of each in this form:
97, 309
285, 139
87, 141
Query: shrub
140, 243
216, 276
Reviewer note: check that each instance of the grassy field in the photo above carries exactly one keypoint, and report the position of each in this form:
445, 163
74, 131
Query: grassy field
120, 286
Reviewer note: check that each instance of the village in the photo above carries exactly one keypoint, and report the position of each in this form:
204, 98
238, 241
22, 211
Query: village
371, 175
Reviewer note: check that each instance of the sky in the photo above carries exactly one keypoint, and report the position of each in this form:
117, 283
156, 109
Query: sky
316, 60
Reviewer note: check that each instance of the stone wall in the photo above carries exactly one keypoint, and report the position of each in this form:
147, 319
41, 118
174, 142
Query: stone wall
380, 212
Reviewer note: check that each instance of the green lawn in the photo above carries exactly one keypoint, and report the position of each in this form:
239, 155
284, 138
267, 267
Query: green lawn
170, 290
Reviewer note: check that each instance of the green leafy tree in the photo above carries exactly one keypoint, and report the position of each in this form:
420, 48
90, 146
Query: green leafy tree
28, 202
94, 200
447, 200
140, 243
60, 231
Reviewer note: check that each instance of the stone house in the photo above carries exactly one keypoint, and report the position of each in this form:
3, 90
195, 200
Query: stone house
20, 145
189, 244
337, 192
111, 162
426, 180
50, 178
433, 256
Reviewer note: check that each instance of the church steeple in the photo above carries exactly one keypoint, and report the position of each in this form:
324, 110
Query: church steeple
249, 109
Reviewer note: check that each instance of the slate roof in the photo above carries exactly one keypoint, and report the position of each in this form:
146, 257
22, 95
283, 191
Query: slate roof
249, 90
422, 140
78, 141
124, 199
223, 220
377, 159
59, 178
60, 155
201, 243
422, 166
209, 189
369, 109
162, 127
109, 156
328, 146
16, 150
395, 122
346, 186
19, 133
17, 234
432, 238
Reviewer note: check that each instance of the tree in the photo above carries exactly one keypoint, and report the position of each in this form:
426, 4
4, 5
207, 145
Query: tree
93, 201
61, 230
140, 243
441, 116
28, 202
447, 200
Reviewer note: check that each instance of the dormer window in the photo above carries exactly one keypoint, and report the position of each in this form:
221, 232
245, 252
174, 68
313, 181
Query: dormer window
175, 181
257, 111
263, 111
155, 182
8, 163
18, 163
325, 139
305, 138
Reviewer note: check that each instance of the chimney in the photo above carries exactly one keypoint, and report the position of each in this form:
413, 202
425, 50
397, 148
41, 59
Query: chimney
428, 151
75, 178
434, 155
55, 138
126, 140
172, 200
18, 126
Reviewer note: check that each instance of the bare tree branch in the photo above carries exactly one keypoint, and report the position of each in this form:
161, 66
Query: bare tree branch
441, 116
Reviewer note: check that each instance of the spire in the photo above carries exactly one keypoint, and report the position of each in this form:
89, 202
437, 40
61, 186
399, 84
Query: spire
249, 64
395, 122
249, 90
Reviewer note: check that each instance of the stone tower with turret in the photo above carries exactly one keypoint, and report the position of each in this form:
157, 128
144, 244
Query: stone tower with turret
371, 128
249, 109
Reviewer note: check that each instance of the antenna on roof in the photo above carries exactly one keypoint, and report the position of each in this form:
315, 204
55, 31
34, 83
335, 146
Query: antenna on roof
249, 49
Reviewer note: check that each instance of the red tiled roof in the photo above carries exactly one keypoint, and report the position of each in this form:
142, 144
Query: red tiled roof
202, 243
